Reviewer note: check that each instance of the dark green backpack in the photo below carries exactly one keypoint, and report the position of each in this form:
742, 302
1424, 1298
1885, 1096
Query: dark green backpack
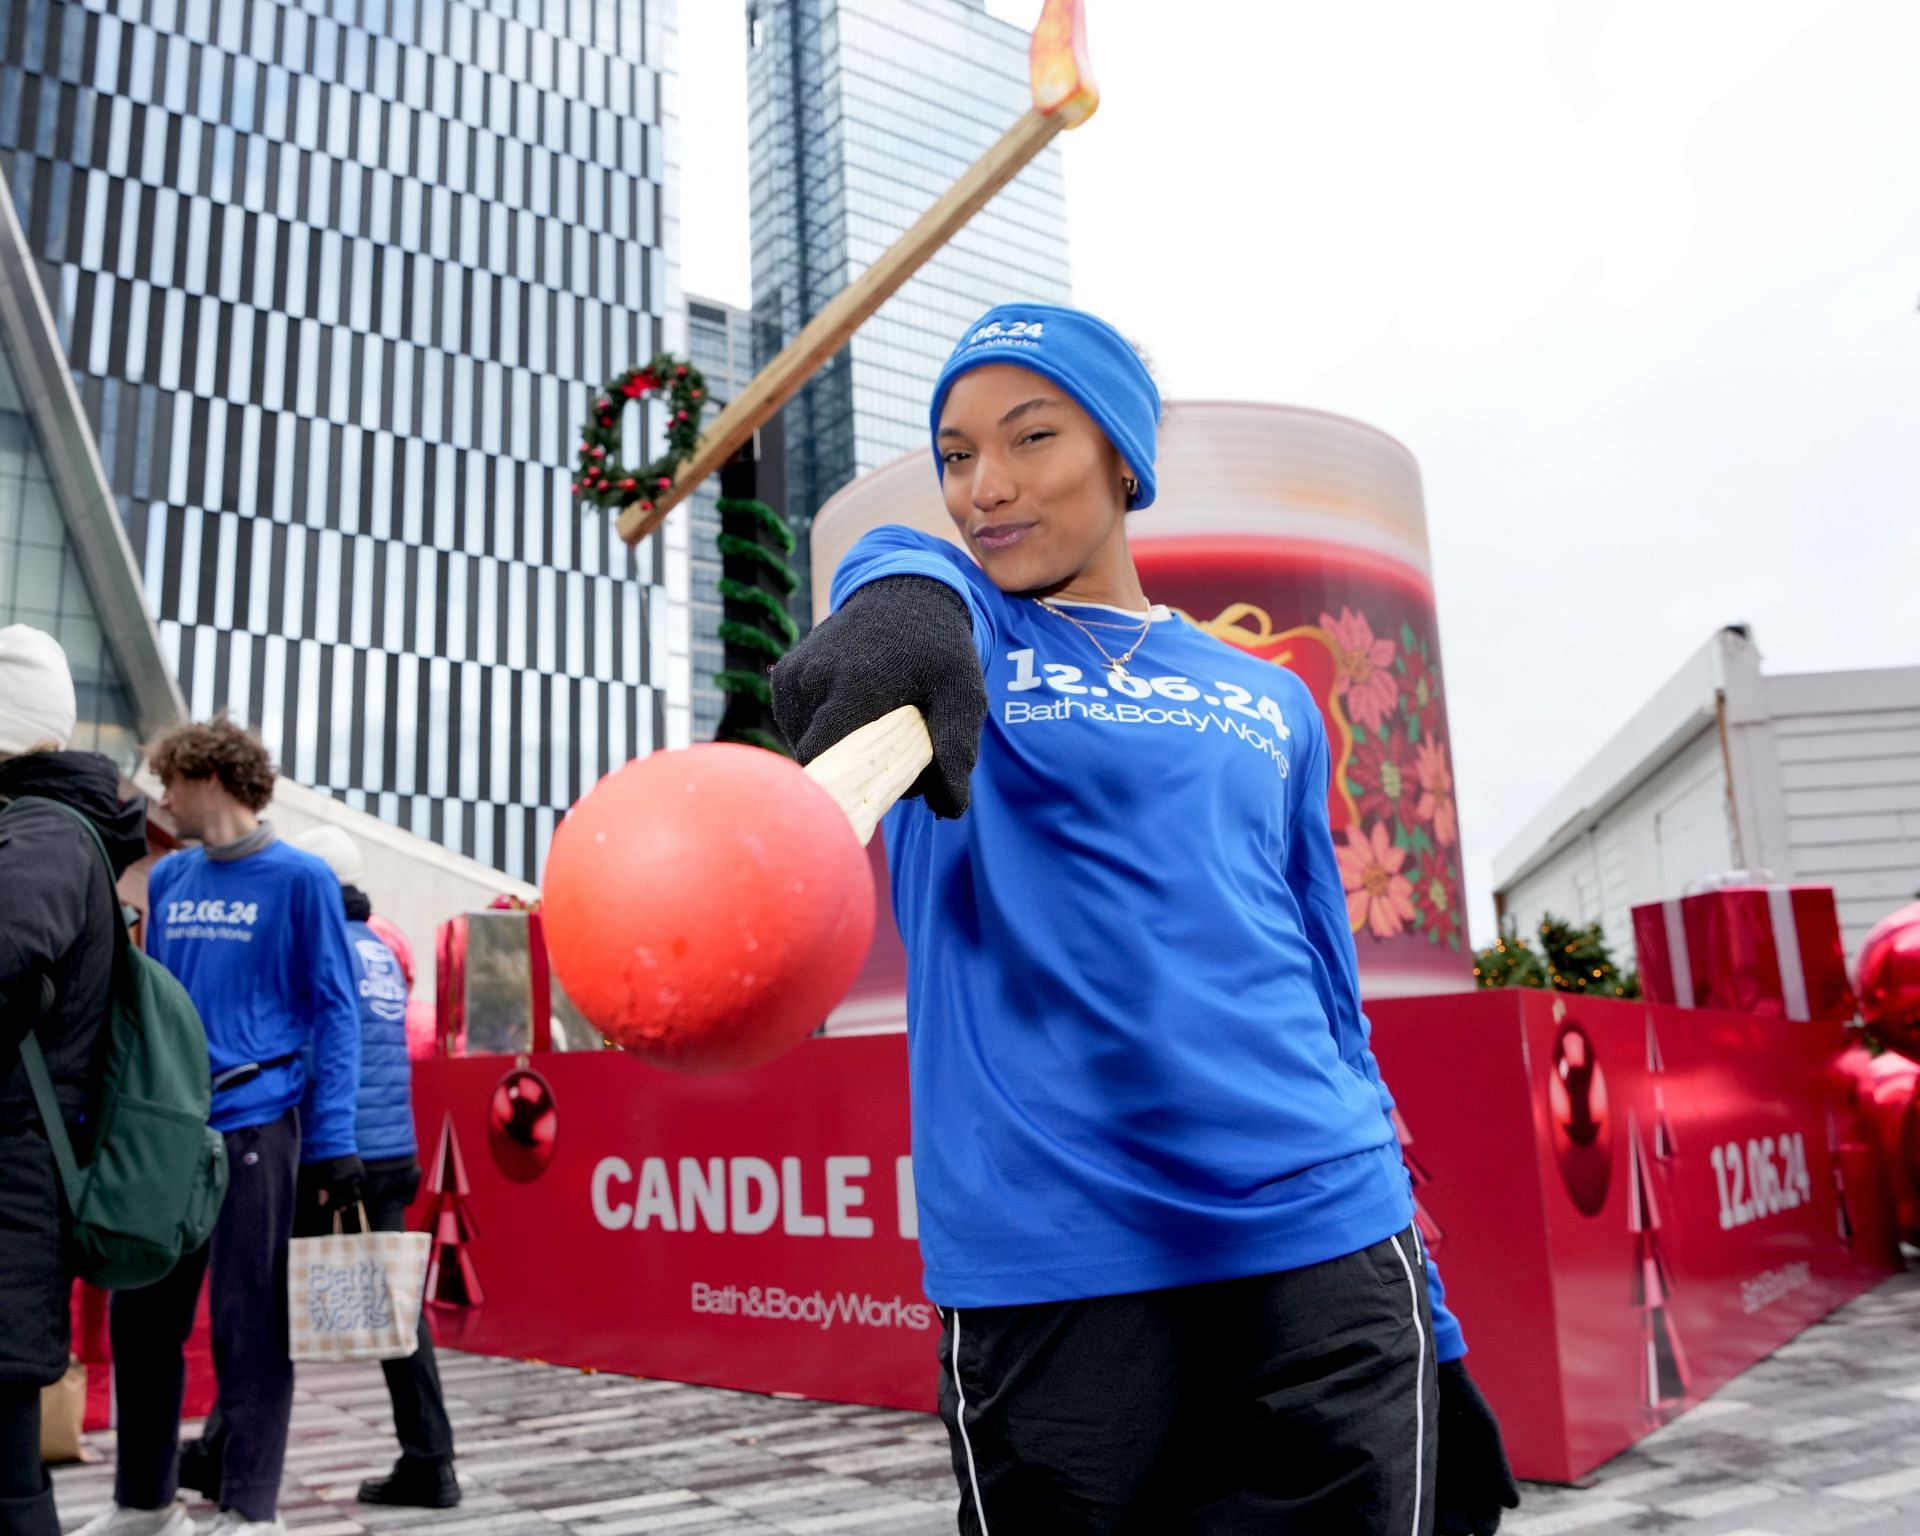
155, 1174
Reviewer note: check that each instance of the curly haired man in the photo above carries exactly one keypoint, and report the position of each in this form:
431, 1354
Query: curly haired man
254, 930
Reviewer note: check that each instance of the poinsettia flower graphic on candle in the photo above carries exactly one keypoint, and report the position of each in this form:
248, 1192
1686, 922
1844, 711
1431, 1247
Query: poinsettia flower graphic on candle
1436, 791
1312, 655
1379, 896
1382, 772
1419, 686
1364, 668
1433, 890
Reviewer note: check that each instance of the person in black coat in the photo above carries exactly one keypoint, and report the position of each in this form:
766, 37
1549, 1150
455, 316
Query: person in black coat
57, 939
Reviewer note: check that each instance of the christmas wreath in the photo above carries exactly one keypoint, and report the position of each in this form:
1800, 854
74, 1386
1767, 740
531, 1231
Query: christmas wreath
602, 479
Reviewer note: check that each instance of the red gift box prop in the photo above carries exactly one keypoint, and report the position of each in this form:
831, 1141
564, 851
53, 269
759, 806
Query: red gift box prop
1770, 951
495, 991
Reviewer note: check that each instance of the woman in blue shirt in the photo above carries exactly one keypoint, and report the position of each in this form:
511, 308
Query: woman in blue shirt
1162, 1206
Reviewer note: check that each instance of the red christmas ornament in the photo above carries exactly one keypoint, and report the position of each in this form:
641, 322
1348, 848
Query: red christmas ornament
521, 1125
599, 453
606, 421
1582, 1129
576, 487
1887, 979
646, 506
680, 373
664, 482
696, 394
629, 484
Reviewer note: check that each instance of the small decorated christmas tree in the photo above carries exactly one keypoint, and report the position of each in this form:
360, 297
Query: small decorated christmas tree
1509, 962
1578, 960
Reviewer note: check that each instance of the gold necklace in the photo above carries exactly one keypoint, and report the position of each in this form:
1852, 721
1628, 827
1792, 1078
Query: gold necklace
1117, 665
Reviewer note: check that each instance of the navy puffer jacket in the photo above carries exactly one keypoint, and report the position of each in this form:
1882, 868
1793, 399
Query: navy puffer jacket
386, 1077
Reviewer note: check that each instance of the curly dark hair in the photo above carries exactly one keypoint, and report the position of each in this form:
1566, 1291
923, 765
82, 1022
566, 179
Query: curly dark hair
218, 748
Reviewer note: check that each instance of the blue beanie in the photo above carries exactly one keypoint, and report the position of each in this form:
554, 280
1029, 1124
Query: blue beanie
1081, 353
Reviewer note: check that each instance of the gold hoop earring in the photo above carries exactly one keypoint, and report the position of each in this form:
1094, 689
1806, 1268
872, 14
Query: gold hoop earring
1130, 486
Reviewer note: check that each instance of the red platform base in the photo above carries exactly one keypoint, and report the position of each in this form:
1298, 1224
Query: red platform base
1629, 1204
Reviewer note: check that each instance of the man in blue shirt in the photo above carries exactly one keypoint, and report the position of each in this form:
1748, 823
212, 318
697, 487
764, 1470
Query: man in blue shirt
254, 930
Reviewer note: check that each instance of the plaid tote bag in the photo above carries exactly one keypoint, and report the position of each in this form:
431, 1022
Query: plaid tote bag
355, 1295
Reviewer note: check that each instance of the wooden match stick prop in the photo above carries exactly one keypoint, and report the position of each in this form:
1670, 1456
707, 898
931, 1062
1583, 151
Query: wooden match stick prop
1064, 96
867, 770
707, 908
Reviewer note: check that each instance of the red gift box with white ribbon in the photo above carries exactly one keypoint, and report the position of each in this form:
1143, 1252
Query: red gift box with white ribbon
1768, 950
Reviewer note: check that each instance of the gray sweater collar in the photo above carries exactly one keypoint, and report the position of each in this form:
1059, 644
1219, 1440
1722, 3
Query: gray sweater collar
262, 836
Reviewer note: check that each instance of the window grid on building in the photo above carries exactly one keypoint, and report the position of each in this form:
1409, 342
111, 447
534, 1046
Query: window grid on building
337, 282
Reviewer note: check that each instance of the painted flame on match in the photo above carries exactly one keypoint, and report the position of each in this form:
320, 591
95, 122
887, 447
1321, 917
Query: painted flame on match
1062, 76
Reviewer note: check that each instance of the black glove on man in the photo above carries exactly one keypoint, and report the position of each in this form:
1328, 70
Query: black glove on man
332, 1184
899, 640
1475, 1480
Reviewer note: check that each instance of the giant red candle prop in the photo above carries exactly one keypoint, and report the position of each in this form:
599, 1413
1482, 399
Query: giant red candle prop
1300, 537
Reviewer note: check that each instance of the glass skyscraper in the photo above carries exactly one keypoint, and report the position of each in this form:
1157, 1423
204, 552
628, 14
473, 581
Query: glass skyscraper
337, 280
862, 112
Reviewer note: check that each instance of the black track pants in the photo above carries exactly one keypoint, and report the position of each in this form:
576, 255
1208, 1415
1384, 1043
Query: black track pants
1302, 1402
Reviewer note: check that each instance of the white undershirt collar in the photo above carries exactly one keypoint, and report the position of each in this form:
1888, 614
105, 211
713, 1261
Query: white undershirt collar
1156, 614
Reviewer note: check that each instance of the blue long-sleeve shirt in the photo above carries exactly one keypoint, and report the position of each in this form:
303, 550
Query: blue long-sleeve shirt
1136, 1047
260, 943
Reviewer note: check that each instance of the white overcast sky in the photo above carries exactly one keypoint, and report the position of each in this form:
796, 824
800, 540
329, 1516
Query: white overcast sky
1638, 283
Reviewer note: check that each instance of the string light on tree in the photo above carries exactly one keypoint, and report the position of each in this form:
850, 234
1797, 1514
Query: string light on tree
1571, 959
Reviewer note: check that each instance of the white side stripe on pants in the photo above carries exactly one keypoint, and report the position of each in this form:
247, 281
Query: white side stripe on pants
973, 1477
1419, 1384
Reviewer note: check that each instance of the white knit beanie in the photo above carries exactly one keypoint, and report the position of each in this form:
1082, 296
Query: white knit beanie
36, 690
334, 848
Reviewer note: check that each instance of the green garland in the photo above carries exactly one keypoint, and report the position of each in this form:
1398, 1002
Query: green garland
765, 603
602, 479
769, 521
744, 637
757, 622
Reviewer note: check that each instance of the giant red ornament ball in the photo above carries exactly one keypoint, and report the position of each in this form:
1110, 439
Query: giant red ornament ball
707, 908
1887, 979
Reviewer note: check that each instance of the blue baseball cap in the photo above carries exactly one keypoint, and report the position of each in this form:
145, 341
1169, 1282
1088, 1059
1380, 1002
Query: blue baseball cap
1081, 353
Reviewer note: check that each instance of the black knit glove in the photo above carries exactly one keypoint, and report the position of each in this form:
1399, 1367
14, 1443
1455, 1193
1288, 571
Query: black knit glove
899, 640
1475, 1480
332, 1185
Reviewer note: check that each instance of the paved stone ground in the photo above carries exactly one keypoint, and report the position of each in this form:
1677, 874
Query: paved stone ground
1825, 1436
